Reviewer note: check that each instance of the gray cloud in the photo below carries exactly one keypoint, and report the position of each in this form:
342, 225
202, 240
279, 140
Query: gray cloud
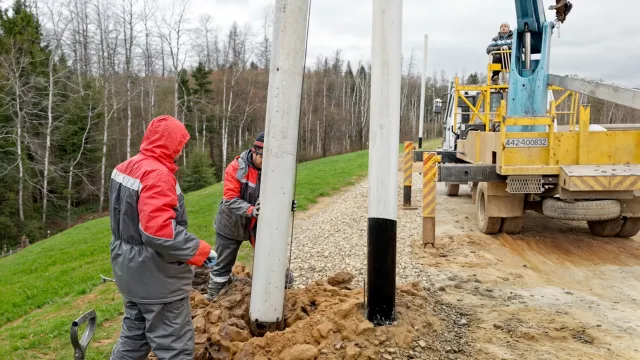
596, 41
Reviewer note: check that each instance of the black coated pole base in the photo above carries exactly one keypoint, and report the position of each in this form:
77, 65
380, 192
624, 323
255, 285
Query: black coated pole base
420, 143
259, 329
381, 271
406, 198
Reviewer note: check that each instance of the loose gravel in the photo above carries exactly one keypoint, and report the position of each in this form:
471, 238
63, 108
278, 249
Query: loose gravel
335, 238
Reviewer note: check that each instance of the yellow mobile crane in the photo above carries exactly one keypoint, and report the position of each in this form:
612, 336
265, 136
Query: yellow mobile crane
503, 140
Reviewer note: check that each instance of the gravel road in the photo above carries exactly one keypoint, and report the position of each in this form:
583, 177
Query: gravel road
333, 237
553, 291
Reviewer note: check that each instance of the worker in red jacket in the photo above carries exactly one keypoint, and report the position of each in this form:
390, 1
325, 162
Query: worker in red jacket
151, 249
236, 220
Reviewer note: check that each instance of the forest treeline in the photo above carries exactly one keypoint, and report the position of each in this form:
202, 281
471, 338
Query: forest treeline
81, 79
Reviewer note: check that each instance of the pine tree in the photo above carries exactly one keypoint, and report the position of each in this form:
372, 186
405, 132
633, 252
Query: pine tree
200, 76
348, 72
473, 79
201, 95
199, 172
184, 92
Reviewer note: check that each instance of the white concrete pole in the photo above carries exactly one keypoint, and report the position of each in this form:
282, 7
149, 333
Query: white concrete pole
278, 171
422, 92
384, 137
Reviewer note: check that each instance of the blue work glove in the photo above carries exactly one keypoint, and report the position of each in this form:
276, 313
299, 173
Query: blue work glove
211, 259
294, 206
256, 209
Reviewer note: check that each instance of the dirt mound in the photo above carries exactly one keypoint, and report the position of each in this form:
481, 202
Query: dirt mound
341, 279
325, 321
201, 276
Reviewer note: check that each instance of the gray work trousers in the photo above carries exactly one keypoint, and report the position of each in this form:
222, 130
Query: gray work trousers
227, 250
164, 328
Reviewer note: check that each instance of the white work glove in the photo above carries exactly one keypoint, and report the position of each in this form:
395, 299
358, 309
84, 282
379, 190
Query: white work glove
256, 209
294, 206
211, 259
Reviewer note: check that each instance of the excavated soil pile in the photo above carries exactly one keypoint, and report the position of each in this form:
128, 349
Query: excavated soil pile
326, 320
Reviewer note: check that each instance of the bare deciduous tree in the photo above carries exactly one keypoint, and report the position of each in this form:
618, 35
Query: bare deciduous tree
75, 162
173, 30
58, 24
206, 35
264, 46
129, 35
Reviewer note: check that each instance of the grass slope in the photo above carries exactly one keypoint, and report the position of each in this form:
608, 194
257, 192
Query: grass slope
41, 285
49, 284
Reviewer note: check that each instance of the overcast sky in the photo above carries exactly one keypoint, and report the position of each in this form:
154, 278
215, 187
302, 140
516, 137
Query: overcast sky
595, 41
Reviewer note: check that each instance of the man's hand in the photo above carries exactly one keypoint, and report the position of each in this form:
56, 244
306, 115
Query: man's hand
211, 259
256, 209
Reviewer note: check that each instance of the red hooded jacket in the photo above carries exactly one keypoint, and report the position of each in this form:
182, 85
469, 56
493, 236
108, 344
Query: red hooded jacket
234, 219
151, 248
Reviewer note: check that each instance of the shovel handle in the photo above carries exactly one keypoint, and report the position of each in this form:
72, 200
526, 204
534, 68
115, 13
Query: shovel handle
80, 345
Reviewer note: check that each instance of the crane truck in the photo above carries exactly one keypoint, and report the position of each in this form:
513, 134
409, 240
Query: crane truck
503, 140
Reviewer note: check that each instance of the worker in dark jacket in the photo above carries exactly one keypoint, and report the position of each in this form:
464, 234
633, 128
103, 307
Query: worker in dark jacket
502, 41
236, 220
151, 249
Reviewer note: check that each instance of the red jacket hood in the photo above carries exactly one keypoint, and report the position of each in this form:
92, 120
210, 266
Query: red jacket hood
164, 139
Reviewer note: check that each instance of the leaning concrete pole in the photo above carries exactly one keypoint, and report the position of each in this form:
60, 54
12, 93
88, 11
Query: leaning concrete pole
384, 137
422, 92
278, 171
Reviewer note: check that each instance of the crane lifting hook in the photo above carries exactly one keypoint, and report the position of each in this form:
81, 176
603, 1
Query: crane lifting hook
562, 8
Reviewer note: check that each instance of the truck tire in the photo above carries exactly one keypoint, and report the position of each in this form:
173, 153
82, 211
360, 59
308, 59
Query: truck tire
605, 228
512, 225
486, 224
452, 189
630, 227
595, 210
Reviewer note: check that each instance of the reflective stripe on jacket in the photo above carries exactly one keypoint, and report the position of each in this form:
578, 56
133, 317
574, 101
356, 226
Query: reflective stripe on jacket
241, 192
151, 248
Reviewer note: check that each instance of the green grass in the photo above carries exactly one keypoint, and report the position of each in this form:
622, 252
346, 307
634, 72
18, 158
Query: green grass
49, 284
67, 264
44, 333
426, 144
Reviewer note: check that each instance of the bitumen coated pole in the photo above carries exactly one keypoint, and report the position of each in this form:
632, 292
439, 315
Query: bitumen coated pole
422, 92
384, 135
408, 173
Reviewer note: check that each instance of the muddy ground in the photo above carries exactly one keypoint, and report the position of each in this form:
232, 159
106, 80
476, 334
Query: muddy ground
551, 292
